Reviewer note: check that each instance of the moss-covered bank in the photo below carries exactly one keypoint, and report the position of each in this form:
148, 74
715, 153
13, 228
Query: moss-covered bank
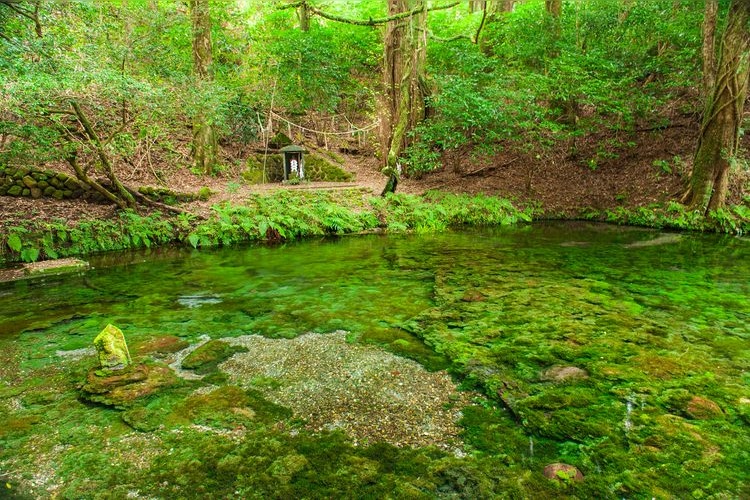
280, 216
286, 215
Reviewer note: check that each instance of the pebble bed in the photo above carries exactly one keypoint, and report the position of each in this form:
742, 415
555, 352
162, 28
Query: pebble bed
369, 393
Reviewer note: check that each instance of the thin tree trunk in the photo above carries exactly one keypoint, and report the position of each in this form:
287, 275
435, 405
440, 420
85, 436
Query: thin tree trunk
404, 80
303, 12
205, 143
99, 147
720, 130
709, 47
477, 5
553, 7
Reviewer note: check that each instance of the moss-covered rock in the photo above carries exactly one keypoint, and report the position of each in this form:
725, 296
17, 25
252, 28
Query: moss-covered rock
166, 344
260, 169
123, 388
318, 168
112, 349
206, 358
562, 472
54, 267
279, 141
703, 409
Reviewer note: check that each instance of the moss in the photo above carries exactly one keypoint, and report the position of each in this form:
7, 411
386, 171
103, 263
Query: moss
166, 344
318, 168
261, 168
207, 357
123, 388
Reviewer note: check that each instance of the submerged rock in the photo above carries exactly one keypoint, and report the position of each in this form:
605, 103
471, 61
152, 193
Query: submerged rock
703, 409
206, 357
112, 349
563, 373
563, 472
166, 344
122, 388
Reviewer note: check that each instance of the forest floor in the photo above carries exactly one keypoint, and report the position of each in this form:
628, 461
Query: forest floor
597, 172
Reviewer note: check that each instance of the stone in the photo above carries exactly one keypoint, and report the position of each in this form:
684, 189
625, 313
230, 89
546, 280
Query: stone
36, 193
54, 267
112, 349
26, 192
167, 344
563, 373
43, 184
562, 472
15, 190
473, 296
700, 408
29, 182
49, 191
124, 388
61, 177
58, 194
206, 357
71, 184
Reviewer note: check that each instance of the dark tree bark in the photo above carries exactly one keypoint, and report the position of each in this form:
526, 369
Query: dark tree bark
719, 137
205, 143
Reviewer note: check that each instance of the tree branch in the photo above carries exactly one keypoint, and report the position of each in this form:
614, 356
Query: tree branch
33, 15
367, 22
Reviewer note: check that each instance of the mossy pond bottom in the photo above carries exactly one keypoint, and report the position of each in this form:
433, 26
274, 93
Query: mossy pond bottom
622, 352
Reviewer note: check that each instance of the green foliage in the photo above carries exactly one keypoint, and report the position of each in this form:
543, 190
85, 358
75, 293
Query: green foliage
732, 220
531, 84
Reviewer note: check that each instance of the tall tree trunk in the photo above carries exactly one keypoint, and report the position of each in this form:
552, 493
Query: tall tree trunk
477, 5
205, 143
554, 8
720, 130
709, 47
404, 79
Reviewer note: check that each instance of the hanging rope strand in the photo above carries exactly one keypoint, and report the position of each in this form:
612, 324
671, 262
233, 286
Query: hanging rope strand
351, 131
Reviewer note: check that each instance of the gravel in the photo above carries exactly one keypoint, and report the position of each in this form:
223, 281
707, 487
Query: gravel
369, 393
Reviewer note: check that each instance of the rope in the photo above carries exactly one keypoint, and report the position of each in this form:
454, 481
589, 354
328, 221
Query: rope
349, 132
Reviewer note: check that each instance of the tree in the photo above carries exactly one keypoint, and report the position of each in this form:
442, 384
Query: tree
405, 86
709, 46
404, 82
553, 7
205, 143
720, 130
30, 12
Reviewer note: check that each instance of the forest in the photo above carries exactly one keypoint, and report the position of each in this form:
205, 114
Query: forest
509, 258
529, 100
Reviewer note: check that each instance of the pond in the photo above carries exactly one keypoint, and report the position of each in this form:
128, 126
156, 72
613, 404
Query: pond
624, 352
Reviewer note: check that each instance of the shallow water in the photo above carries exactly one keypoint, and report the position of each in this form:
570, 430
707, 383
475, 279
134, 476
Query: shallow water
645, 314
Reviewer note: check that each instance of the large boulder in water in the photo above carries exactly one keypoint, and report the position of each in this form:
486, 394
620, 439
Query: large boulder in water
112, 350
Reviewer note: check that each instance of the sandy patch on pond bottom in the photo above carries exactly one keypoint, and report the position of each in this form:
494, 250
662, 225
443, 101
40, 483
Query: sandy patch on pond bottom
367, 392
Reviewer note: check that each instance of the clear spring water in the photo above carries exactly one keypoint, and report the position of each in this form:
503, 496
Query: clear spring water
652, 317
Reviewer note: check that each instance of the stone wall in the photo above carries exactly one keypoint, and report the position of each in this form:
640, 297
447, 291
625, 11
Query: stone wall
34, 183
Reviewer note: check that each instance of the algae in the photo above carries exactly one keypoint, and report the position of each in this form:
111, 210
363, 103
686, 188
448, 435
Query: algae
659, 333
